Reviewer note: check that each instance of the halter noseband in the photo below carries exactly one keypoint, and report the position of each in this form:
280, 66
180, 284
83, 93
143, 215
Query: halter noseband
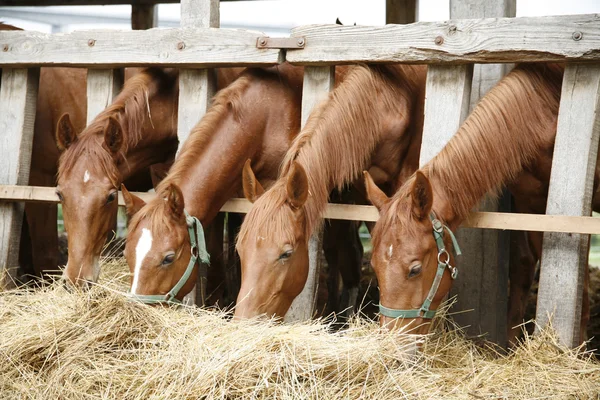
198, 250
443, 262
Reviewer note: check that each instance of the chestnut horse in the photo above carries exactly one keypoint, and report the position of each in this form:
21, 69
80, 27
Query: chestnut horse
507, 140
60, 91
254, 118
373, 119
137, 130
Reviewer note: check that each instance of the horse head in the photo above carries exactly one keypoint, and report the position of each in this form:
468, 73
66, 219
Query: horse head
409, 251
158, 248
88, 182
273, 244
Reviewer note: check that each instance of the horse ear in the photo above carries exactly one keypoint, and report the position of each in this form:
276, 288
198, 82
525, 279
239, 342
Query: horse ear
65, 133
175, 201
297, 186
374, 194
422, 196
252, 187
113, 136
133, 203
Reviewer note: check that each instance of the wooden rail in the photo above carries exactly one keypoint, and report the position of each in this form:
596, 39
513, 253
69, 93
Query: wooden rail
488, 40
489, 220
175, 47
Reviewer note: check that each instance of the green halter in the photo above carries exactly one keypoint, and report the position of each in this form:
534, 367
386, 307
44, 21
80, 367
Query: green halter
443, 263
198, 250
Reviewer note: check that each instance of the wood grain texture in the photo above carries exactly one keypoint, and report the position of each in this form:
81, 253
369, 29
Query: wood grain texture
489, 40
102, 87
18, 95
482, 289
491, 220
564, 256
318, 82
190, 47
144, 16
401, 11
447, 96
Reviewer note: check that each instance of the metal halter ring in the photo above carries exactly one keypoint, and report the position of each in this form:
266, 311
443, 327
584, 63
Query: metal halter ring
442, 252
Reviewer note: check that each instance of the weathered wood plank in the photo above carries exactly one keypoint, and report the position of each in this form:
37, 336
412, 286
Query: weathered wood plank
489, 40
190, 47
564, 256
447, 95
401, 11
102, 86
491, 220
318, 82
196, 89
144, 16
483, 289
18, 95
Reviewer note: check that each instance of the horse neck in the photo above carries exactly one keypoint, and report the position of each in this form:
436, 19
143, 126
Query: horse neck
209, 168
503, 134
342, 133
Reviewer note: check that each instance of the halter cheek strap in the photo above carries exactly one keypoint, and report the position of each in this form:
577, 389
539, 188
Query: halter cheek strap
443, 262
198, 250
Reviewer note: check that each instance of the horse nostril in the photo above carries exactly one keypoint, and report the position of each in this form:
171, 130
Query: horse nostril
67, 284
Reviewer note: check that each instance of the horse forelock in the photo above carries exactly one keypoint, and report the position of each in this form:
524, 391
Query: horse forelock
269, 218
89, 149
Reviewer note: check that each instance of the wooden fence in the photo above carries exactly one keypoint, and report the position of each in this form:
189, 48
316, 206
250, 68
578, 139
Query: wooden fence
450, 47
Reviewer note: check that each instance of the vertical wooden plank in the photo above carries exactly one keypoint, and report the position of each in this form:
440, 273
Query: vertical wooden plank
485, 252
564, 255
401, 11
18, 95
447, 95
102, 87
196, 89
318, 82
144, 16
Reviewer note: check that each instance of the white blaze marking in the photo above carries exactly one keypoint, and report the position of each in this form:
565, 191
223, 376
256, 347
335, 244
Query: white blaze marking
390, 250
141, 250
86, 176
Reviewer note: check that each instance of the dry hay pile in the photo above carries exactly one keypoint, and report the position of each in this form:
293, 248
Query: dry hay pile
56, 344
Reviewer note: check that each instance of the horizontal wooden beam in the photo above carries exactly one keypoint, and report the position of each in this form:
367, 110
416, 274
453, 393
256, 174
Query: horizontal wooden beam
193, 47
488, 220
489, 40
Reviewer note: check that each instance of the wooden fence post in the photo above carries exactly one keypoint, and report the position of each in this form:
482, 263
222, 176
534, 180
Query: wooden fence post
401, 11
447, 95
196, 88
102, 87
565, 255
18, 96
485, 253
144, 16
318, 82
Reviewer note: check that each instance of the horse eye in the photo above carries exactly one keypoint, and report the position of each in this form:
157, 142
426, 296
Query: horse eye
414, 271
286, 255
111, 197
60, 196
169, 258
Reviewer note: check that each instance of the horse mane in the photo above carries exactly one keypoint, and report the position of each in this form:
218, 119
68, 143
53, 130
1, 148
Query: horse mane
502, 136
227, 100
337, 142
130, 108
